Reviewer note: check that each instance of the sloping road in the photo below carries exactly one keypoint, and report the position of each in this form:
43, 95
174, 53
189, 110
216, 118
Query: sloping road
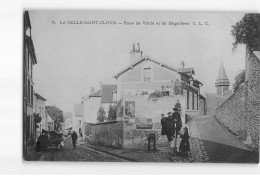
221, 145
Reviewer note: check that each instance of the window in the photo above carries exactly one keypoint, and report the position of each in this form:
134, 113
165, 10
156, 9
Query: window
31, 94
188, 99
192, 101
28, 92
147, 75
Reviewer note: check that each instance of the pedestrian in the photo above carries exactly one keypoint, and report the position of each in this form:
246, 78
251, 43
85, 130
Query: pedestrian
178, 106
177, 124
169, 126
185, 143
164, 124
74, 137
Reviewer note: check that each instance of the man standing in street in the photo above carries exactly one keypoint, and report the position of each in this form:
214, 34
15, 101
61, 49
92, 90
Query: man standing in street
74, 137
177, 124
169, 124
178, 106
165, 127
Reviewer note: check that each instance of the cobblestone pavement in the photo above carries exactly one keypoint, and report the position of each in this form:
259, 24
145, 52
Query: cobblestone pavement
209, 143
78, 154
198, 151
162, 154
218, 145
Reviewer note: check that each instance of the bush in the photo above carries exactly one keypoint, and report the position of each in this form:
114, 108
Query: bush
239, 79
101, 115
112, 112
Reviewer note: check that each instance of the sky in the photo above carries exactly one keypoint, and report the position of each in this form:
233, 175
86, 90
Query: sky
72, 58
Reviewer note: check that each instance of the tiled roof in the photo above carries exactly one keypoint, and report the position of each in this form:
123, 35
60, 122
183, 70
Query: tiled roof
187, 70
39, 96
222, 73
146, 58
107, 93
78, 110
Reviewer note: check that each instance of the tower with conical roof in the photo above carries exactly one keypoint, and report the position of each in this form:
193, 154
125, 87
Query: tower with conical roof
222, 83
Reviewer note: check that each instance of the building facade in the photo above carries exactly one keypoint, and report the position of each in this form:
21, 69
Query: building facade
104, 97
29, 60
145, 75
214, 100
39, 111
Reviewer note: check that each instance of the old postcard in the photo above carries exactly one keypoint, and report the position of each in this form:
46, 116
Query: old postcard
141, 86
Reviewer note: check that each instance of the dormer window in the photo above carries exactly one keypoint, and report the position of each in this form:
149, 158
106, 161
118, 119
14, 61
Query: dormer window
147, 74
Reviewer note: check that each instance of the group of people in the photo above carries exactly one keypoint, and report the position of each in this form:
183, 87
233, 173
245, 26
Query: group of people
172, 128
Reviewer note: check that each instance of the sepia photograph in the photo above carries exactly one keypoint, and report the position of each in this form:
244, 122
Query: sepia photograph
141, 86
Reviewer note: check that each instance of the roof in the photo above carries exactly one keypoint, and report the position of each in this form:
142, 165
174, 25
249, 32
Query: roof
107, 93
187, 70
222, 73
78, 110
29, 42
222, 76
39, 97
146, 58
257, 54
27, 22
96, 94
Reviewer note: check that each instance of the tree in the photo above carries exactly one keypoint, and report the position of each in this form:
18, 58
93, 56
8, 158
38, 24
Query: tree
177, 87
246, 31
101, 114
112, 112
239, 79
57, 115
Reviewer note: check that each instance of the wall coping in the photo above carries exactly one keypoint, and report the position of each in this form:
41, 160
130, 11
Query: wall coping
108, 122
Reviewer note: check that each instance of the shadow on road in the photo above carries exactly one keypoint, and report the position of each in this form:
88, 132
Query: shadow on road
220, 153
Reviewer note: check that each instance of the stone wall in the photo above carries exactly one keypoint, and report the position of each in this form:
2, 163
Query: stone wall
232, 112
241, 112
253, 100
108, 134
213, 102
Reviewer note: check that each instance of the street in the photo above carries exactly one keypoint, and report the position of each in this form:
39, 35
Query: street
209, 142
221, 145
78, 154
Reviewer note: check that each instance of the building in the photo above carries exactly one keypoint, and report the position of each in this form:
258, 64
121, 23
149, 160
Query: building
50, 122
29, 60
145, 76
222, 83
104, 97
214, 100
77, 119
39, 111
145, 89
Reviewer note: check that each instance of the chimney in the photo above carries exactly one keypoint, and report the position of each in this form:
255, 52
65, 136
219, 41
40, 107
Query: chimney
133, 50
100, 83
92, 90
182, 64
135, 54
138, 47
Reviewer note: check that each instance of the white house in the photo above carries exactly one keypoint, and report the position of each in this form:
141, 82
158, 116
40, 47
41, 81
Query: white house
103, 97
77, 118
39, 110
